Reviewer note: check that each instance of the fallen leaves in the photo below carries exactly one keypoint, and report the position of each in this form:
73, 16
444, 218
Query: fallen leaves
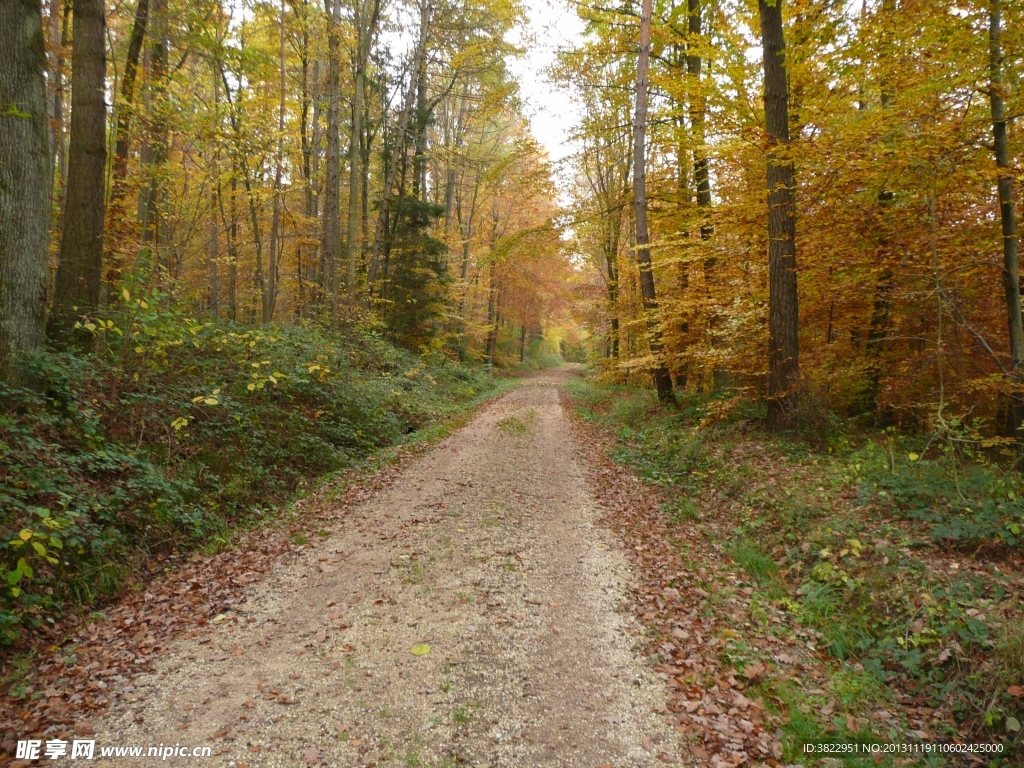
192, 597
420, 649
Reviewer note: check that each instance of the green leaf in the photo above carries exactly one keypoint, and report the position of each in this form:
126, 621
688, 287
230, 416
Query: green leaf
39, 548
421, 649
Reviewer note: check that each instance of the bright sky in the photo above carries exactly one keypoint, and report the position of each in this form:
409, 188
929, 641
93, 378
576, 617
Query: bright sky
553, 25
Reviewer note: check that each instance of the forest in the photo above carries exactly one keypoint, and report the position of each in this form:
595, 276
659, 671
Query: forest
250, 247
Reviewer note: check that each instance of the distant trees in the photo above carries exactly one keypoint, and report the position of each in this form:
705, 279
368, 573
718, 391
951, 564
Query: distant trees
240, 135
858, 139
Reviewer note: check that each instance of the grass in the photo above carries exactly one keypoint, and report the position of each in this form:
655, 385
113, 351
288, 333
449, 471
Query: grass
903, 562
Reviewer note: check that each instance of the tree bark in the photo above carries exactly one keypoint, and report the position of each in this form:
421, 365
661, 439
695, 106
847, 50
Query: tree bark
80, 265
26, 176
276, 249
122, 137
783, 343
1011, 262
662, 378
331, 227
403, 125
367, 12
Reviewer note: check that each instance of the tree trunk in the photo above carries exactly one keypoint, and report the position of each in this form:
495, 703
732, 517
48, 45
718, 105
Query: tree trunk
783, 342
26, 176
522, 343
118, 230
492, 312
366, 21
1011, 263
331, 241
80, 265
154, 155
276, 249
662, 378
403, 125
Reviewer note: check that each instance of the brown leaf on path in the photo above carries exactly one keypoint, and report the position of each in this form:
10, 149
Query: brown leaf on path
312, 756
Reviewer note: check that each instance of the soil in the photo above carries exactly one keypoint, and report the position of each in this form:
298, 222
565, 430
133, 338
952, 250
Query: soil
475, 611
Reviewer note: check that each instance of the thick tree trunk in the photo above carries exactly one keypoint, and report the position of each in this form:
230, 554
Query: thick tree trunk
80, 268
330, 247
1011, 261
783, 343
662, 378
26, 176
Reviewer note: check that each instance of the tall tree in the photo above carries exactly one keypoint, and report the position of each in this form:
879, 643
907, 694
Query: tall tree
662, 377
783, 317
122, 145
26, 174
276, 237
80, 268
1011, 262
366, 15
330, 246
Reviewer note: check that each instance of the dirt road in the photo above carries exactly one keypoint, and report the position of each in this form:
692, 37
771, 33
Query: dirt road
487, 551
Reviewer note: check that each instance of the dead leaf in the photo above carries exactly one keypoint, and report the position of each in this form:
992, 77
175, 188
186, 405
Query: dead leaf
312, 756
1016, 691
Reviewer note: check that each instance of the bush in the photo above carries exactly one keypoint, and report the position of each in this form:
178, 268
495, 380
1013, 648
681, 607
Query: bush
171, 430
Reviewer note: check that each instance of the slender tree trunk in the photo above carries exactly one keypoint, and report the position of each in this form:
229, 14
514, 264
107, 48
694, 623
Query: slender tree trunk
492, 312
366, 22
154, 156
783, 340
116, 214
380, 235
276, 249
522, 343
330, 248
1011, 262
80, 268
354, 176
662, 378
881, 324
26, 178
60, 150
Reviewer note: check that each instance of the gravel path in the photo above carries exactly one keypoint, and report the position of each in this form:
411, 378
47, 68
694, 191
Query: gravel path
486, 549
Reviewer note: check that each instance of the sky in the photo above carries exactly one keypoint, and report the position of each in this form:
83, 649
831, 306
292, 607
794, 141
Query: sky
553, 24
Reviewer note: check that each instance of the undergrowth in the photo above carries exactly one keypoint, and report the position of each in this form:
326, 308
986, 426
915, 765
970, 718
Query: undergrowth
902, 554
172, 431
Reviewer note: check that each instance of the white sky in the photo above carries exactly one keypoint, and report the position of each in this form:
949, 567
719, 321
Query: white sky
553, 25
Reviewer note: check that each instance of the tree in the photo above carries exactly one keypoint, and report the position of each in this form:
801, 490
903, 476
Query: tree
783, 317
25, 179
1008, 220
366, 14
662, 378
80, 265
